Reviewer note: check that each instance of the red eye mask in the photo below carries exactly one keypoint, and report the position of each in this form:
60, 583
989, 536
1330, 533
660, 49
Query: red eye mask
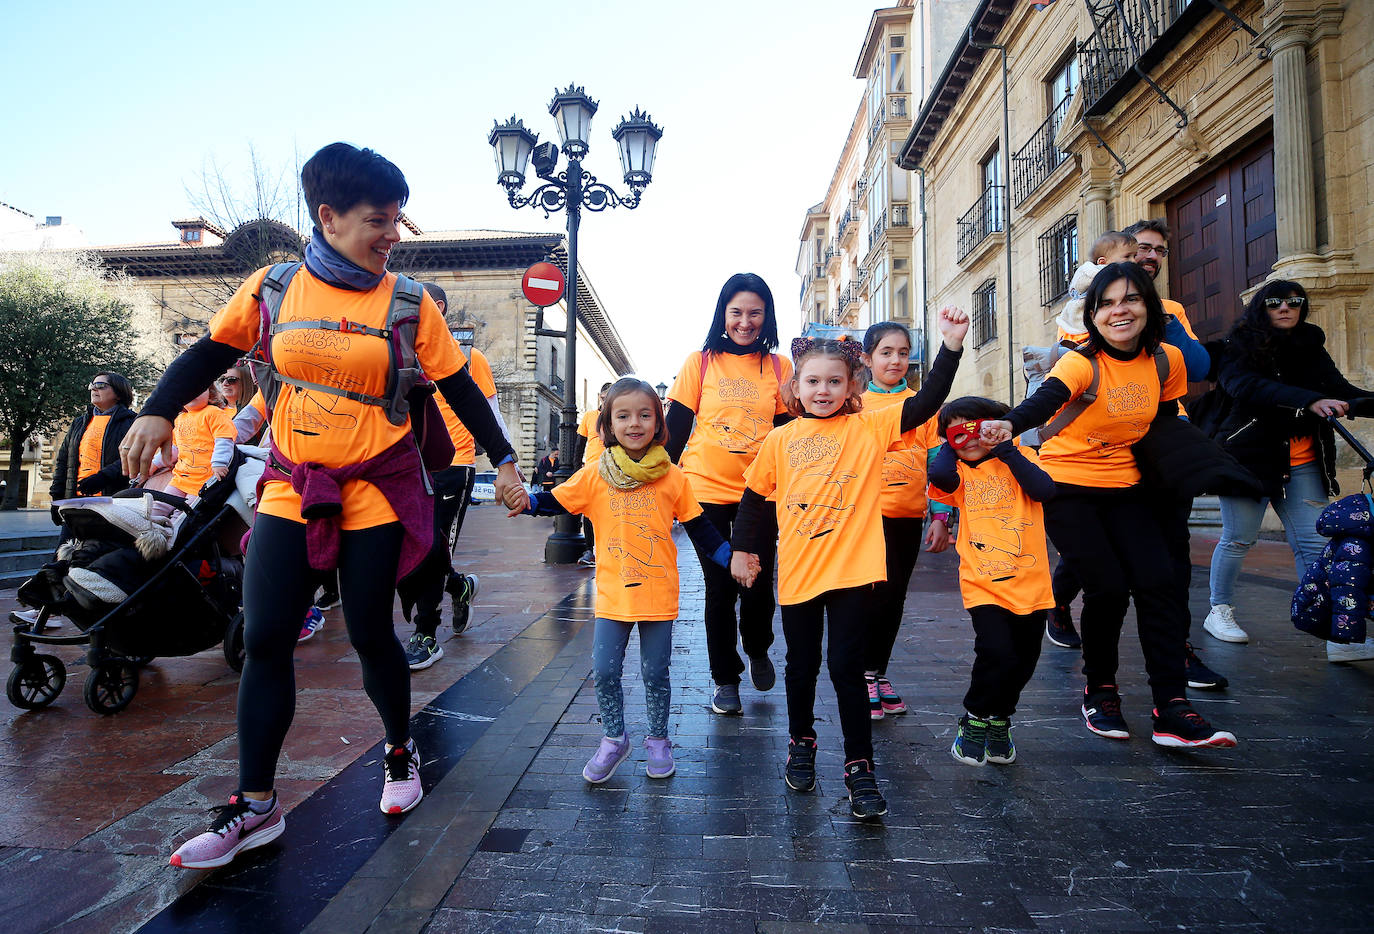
962, 434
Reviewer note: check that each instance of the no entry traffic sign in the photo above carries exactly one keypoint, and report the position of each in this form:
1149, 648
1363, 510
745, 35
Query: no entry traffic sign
543, 284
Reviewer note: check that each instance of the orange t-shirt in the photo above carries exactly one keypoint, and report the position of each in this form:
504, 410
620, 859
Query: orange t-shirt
194, 434
88, 453
464, 448
1301, 451
826, 476
586, 427
1001, 543
904, 464
735, 405
1095, 448
331, 430
636, 560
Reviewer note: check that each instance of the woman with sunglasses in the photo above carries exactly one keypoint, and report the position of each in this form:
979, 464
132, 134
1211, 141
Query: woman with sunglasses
88, 460
236, 387
1283, 384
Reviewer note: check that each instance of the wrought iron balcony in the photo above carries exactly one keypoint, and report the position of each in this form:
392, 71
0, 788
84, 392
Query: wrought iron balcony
1039, 157
556, 384
849, 221
832, 253
1127, 34
986, 217
897, 106
875, 232
901, 215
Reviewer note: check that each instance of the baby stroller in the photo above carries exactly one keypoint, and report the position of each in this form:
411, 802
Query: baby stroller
146, 574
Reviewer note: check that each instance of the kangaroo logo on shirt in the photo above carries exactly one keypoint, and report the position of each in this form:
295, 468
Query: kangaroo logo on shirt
904, 468
739, 430
313, 413
636, 556
819, 503
1106, 446
997, 541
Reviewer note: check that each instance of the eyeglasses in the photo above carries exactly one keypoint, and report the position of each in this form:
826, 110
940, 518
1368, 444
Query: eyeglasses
1292, 301
1160, 251
963, 434
228, 380
94, 386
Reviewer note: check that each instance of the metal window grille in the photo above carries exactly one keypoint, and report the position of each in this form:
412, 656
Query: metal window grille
1034, 162
1058, 258
985, 313
986, 217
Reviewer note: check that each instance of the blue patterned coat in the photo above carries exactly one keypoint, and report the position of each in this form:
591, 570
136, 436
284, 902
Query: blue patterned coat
1333, 600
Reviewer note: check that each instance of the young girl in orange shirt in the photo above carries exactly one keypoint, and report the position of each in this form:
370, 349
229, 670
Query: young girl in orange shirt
204, 438
824, 471
632, 493
1004, 575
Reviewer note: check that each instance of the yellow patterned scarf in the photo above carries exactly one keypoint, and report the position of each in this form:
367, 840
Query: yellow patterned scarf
625, 473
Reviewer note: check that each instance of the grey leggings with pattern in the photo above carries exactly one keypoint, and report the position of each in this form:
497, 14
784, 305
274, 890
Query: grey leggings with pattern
608, 660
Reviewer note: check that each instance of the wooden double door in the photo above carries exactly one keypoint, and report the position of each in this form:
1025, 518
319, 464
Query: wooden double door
1223, 238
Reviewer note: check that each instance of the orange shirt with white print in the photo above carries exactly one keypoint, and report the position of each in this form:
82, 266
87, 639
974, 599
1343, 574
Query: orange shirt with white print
88, 452
636, 560
194, 434
735, 405
464, 447
332, 430
1001, 543
825, 474
1095, 448
587, 429
904, 464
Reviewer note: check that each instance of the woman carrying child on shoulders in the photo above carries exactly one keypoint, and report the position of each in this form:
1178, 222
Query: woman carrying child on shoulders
824, 471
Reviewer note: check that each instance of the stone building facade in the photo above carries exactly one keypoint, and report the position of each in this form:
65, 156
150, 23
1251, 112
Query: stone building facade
1248, 124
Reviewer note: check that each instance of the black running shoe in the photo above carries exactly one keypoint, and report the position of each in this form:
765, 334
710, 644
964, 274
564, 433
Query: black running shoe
1199, 675
800, 773
327, 600
866, 802
1000, 748
1178, 725
1059, 629
1102, 712
762, 673
462, 589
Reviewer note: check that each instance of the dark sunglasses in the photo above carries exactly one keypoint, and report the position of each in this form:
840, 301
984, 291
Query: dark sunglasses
964, 433
229, 380
1292, 301
94, 386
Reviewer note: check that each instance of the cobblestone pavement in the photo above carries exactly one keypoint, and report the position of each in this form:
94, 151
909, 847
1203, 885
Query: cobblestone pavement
1080, 834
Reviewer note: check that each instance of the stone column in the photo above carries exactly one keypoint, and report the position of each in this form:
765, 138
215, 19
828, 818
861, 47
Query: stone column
1295, 195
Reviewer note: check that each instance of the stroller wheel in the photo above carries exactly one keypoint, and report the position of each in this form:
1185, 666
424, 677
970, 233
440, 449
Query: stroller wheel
141, 661
36, 681
234, 651
111, 685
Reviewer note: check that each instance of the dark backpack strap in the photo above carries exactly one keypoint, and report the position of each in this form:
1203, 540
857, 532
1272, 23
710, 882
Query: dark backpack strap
1162, 366
1075, 407
344, 327
403, 321
270, 297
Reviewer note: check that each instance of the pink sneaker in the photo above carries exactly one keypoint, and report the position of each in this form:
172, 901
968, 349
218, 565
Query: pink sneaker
235, 829
402, 790
606, 759
314, 622
660, 764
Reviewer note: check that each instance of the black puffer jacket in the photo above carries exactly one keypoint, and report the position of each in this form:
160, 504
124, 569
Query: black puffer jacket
112, 479
1270, 407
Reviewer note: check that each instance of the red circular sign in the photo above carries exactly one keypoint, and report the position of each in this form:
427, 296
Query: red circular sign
543, 284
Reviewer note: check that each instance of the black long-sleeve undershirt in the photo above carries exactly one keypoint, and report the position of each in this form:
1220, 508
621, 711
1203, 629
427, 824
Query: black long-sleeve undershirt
680, 421
705, 536
944, 472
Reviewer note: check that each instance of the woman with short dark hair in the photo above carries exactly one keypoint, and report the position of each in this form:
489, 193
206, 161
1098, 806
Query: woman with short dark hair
1282, 384
345, 487
726, 398
88, 459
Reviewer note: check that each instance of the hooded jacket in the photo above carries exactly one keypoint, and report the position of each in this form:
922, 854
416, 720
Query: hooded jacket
1333, 600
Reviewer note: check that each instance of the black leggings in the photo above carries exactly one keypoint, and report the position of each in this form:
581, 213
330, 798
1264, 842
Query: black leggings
903, 538
803, 628
1005, 649
1064, 583
755, 625
277, 588
452, 490
1114, 543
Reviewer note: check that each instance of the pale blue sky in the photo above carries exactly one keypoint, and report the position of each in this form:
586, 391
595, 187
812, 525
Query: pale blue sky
113, 109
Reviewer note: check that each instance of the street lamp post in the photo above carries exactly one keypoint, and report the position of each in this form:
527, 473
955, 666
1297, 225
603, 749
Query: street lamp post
571, 190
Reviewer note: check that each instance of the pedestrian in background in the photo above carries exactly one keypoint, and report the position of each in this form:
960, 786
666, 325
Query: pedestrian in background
548, 467
88, 458
633, 493
724, 401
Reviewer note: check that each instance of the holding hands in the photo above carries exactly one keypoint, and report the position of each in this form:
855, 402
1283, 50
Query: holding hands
744, 568
953, 324
510, 488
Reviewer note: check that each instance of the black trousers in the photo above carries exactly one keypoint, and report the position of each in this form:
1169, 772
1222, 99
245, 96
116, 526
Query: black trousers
1173, 518
1114, 543
903, 538
803, 628
452, 490
278, 585
1064, 583
1006, 647
754, 626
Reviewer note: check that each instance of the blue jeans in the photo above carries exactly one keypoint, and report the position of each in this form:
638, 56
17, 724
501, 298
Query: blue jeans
1302, 501
608, 660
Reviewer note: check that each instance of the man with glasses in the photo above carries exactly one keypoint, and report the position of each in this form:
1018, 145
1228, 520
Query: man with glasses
1152, 248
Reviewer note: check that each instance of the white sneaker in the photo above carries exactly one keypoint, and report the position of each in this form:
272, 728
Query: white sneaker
1221, 624
1354, 652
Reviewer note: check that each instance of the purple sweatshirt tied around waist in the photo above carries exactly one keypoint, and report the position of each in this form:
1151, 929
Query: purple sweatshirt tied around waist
400, 476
